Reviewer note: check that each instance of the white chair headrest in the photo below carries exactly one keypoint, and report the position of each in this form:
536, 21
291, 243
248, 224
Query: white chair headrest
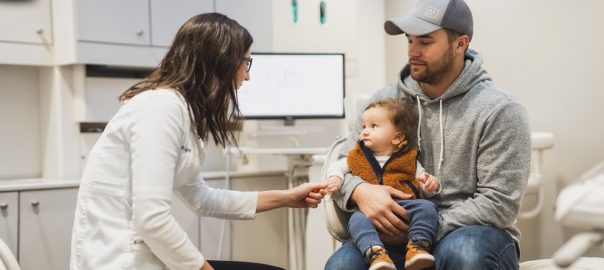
353, 106
542, 140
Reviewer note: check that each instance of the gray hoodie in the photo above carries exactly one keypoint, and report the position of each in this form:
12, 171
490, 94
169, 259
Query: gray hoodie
475, 139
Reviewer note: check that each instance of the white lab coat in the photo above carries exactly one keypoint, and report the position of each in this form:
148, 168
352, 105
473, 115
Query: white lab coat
123, 218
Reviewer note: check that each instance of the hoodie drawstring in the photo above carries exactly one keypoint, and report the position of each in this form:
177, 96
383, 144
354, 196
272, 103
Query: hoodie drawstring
442, 138
442, 132
419, 123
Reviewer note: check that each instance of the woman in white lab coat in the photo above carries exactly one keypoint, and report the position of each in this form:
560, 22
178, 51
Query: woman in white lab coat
154, 146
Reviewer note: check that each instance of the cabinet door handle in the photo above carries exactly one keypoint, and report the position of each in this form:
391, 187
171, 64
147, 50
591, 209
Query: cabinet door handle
40, 31
3, 206
35, 203
140, 33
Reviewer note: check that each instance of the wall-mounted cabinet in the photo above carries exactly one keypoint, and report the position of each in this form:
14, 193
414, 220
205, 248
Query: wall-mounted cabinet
137, 33
142, 23
127, 33
256, 16
26, 32
26, 21
113, 21
168, 15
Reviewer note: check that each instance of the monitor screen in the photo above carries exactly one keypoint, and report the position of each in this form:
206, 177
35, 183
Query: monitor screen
293, 85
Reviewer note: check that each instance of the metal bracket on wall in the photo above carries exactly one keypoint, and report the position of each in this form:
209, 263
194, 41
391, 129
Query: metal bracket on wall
92, 127
117, 71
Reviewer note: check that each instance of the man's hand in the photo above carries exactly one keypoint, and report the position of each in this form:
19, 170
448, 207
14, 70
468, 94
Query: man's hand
377, 203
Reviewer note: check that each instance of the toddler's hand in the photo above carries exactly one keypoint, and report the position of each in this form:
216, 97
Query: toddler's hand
334, 184
431, 183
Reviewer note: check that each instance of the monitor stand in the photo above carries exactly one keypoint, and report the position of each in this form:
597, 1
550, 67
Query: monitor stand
289, 128
289, 121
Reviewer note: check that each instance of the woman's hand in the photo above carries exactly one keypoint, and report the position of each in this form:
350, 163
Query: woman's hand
307, 195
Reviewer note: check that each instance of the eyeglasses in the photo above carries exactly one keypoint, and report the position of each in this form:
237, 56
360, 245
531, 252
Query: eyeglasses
248, 63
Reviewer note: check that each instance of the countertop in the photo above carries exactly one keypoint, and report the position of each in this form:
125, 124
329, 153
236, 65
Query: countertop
49, 183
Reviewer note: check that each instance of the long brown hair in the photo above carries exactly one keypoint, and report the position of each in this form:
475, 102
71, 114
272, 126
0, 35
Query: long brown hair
403, 116
202, 65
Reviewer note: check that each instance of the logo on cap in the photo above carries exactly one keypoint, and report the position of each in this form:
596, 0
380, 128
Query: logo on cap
431, 12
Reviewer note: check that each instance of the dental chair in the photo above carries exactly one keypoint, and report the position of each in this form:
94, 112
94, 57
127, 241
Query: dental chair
580, 206
540, 141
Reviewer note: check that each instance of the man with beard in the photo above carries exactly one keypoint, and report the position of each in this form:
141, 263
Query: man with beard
474, 138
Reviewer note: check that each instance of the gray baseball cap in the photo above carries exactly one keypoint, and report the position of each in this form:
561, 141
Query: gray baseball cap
431, 15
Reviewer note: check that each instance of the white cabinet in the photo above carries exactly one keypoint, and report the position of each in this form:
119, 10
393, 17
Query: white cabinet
256, 16
144, 23
110, 32
26, 21
36, 225
9, 215
46, 218
113, 21
127, 33
26, 34
168, 15
137, 32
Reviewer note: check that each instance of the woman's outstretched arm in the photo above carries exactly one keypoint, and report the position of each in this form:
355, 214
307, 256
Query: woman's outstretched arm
305, 195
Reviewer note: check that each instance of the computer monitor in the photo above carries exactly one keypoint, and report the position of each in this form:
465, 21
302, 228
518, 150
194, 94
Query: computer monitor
293, 86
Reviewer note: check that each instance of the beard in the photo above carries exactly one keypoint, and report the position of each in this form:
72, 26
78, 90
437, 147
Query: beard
434, 72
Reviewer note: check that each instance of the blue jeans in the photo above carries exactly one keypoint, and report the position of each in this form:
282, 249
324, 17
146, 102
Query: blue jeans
469, 247
423, 223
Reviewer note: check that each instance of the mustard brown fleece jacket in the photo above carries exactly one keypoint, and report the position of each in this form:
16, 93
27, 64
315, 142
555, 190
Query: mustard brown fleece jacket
398, 172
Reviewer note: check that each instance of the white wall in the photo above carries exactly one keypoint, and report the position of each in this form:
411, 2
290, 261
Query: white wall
19, 122
546, 53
